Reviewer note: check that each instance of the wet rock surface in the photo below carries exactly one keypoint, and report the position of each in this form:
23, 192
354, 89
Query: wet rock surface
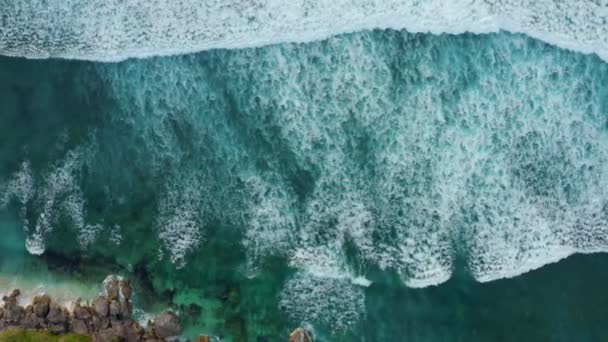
167, 325
300, 335
106, 318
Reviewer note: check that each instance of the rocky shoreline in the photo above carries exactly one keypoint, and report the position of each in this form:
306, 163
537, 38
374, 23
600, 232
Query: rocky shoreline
107, 318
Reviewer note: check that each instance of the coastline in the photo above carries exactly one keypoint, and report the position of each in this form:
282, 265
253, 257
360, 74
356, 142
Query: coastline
107, 317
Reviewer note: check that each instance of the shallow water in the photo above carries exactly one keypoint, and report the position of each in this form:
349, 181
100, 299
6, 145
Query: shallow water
260, 189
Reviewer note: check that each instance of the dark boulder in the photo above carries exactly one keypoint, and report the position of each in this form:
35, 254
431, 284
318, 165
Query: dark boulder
57, 314
125, 288
105, 335
114, 309
101, 306
41, 305
82, 312
167, 325
80, 327
126, 309
13, 313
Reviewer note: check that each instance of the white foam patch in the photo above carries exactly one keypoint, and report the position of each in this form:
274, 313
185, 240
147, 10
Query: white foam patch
332, 220
21, 186
180, 219
499, 151
270, 221
335, 303
115, 235
55, 194
385, 149
111, 30
61, 180
64, 292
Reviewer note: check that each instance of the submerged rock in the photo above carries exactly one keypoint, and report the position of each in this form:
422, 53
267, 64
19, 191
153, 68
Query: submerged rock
300, 335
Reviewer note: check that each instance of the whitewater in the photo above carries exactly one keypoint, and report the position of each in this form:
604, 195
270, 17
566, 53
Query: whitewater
337, 136
115, 30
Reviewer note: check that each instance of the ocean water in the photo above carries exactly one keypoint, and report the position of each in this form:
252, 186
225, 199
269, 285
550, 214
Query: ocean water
379, 185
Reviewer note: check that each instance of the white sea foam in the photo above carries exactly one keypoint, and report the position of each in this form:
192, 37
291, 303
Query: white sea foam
20, 186
63, 291
335, 303
180, 219
393, 152
61, 180
112, 30
271, 223
57, 193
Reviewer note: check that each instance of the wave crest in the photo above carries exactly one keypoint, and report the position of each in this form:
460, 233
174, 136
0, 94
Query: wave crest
113, 30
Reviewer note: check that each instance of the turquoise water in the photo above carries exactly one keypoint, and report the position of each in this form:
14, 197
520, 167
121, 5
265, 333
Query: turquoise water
376, 186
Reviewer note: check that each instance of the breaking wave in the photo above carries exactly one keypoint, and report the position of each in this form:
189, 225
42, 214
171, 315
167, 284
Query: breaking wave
112, 30
381, 150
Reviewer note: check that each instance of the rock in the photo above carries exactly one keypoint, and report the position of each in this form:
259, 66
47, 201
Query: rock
57, 315
13, 313
29, 320
101, 307
105, 335
79, 326
167, 325
100, 323
203, 339
114, 309
125, 289
29, 309
110, 285
15, 293
133, 331
118, 328
41, 305
126, 309
300, 335
81, 312
104, 319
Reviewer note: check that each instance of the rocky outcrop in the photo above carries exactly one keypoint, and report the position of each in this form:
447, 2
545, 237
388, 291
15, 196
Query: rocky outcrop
107, 318
166, 325
300, 335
